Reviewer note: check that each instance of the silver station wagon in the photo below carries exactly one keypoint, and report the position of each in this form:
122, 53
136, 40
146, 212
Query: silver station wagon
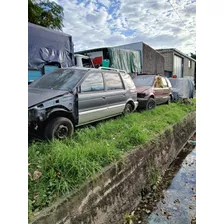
70, 97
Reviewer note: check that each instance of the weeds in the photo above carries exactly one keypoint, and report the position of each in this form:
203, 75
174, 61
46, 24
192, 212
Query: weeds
62, 166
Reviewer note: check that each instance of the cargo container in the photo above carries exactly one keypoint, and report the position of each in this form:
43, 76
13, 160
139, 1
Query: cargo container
49, 50
135, 58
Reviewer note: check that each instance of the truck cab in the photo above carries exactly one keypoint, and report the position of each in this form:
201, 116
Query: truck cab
83, 61
79, 61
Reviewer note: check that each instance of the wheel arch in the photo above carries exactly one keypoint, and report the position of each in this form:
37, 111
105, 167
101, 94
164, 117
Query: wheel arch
131, 102
60, 112
152, 96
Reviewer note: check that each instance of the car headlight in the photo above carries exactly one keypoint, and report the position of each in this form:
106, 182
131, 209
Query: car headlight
141, 95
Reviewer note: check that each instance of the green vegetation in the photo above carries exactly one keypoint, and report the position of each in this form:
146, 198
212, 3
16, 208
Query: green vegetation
154, 176
46, 13
57, 167
128, 219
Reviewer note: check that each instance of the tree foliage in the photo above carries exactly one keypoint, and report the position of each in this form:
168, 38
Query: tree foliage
193, 55
46, 13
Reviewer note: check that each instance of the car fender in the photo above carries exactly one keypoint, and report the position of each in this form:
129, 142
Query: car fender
135, 103
57, 109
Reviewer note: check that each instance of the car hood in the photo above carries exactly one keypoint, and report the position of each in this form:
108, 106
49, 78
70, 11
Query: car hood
37, 96
142, 89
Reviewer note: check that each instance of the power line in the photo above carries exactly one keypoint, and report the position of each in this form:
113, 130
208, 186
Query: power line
181, 19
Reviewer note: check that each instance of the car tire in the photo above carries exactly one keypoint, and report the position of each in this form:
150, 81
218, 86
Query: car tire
59, 128
128, 109
151, 104
169, 100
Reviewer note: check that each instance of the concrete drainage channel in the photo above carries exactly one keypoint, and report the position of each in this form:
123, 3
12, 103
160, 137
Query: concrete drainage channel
116, 192
172, 199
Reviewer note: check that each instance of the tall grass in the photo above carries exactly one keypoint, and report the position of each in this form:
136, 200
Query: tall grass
57, 167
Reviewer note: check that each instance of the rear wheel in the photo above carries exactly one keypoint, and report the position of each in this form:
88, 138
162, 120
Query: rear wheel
128, 109
151, 104
169, 100
59, 128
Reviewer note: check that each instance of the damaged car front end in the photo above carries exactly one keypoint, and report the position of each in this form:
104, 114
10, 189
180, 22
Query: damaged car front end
39, 113
52, 104
35, 117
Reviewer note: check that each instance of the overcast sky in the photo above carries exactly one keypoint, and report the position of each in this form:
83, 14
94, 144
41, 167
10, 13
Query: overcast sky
102, 23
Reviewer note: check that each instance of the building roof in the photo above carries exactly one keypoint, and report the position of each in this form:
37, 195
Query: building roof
89, 50
106, 47
117, 46
175, 50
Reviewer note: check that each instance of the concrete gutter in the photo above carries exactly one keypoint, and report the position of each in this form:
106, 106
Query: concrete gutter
116, 191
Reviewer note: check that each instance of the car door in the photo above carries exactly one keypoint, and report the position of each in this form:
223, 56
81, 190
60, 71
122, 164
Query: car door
115, 93
92, 100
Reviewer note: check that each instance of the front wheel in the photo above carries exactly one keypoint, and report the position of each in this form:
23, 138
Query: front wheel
59, 128
151, 104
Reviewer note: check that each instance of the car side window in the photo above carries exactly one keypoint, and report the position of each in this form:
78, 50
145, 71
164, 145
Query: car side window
164, 82
93, 82
113, 81
128, 80
158, 83
169, 84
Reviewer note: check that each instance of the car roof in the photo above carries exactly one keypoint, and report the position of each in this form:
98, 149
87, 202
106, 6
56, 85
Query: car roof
142, 75
78, 68
89, 69
145, 76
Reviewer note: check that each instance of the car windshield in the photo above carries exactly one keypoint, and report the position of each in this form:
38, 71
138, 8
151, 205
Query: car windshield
144, 80
61, 79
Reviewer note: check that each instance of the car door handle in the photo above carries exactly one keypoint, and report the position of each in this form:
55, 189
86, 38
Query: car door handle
104, 97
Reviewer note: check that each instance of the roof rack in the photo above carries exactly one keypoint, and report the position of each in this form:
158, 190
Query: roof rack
113, 69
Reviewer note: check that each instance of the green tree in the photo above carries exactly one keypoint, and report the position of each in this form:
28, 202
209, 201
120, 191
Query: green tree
46, 13
193, 55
